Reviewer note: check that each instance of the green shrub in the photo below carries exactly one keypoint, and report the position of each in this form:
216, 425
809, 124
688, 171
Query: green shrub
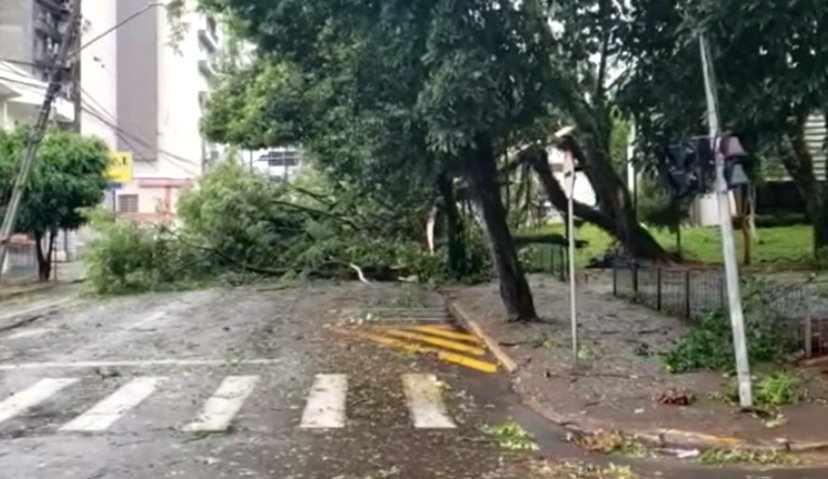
126, 257
779, 389
709, 344
238, 225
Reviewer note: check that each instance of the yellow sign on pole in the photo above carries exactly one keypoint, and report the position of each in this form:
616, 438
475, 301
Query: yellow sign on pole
120, 168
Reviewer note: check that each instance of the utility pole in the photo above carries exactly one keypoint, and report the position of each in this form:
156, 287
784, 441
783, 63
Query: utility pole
37, 132
737, 321
77, 101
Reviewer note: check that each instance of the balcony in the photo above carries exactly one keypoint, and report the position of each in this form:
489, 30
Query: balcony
209, 35
60, 7
209, 42
207, 68
46, 27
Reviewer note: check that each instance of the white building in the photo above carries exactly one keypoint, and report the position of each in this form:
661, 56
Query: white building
21, 96
143, 89
276, 163
583, 191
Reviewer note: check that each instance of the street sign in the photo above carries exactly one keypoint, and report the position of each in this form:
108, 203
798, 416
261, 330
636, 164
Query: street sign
120, 167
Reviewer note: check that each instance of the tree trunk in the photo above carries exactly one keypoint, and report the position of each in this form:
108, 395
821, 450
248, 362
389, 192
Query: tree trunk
744, 225
800, 165
614, 217
454, 227
678, 241
44, 259
481, 169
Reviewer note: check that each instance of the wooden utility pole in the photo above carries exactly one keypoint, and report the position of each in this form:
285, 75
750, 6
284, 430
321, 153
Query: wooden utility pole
56, 70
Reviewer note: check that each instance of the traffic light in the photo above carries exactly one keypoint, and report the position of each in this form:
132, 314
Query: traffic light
735, 161
690, 166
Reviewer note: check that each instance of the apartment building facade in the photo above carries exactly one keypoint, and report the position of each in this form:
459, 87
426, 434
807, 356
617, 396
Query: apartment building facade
30, 32
143, 91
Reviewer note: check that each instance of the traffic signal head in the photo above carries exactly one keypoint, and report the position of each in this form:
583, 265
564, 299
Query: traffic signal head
735, 160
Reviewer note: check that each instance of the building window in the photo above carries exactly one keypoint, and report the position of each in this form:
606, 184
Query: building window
212, 27
127, 203
282, 158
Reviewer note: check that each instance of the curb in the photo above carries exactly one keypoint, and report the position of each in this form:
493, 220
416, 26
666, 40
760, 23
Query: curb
6, 295
20, 318
471, 325
660, 437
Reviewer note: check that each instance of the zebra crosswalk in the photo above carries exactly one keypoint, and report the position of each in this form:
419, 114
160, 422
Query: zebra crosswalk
325, 405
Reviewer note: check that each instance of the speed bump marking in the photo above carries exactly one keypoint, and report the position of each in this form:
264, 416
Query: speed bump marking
450, 357
445, 332
439, 342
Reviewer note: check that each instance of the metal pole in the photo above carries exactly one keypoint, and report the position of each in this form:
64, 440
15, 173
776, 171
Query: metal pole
39, 129
658, 289
570, 166
687, 311
726, 224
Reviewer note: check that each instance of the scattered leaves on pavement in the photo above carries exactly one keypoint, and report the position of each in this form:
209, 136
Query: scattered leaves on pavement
676, 397
609, 442
747, 456
512, 436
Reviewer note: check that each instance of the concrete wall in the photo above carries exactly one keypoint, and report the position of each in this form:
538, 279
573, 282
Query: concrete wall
99, 73
16, 31
143, 86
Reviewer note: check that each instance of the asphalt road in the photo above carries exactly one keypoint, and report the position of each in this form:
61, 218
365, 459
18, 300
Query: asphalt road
247, 383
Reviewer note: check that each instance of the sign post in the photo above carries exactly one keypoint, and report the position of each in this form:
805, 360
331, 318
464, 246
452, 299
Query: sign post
569, 173
569, 176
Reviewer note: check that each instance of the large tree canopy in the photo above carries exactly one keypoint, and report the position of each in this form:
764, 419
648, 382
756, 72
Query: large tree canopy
402, 91
771, 72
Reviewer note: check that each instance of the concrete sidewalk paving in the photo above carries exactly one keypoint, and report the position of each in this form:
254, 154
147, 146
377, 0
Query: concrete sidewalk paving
619, 378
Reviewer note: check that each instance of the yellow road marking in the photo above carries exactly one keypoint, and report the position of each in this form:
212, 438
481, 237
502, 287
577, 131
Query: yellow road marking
439, 342
441, 331
459, 359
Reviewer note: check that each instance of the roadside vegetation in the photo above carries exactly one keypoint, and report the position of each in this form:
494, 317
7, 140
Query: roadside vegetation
427, 128
782, 246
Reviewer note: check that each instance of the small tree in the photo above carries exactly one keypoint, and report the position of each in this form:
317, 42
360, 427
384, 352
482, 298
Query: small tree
69, 175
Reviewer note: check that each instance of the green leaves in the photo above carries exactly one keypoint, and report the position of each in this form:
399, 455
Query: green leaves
68, 176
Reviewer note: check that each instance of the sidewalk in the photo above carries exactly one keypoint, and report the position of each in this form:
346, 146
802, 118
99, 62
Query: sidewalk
620, 377
16, 286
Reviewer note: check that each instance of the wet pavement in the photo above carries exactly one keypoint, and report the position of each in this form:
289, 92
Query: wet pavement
226, 384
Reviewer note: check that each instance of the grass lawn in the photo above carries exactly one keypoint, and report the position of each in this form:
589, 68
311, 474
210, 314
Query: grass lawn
783, 243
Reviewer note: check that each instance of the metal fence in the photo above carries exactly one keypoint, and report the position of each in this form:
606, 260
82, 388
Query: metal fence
546, 258
687, 293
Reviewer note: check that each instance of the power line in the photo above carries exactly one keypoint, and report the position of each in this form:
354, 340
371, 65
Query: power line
185, 163
188, 161
71, 56
116, 26
36, 134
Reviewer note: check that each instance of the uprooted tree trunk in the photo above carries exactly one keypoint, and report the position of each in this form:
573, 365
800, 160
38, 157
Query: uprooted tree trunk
44, 258
615, 216
480, 167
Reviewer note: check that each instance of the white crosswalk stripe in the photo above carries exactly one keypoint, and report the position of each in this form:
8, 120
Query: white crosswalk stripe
32, 396
325, 408
425, 402
325, 404
224, 404
110, 409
